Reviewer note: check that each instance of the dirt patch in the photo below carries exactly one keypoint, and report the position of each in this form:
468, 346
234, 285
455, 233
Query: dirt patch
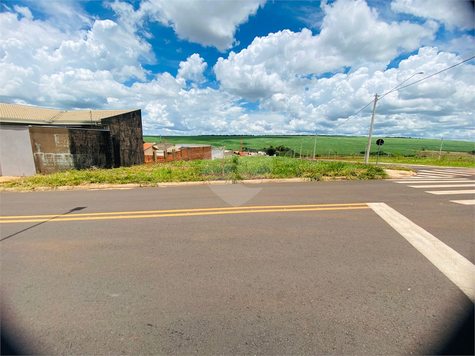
446, 154
7, 179
397, 174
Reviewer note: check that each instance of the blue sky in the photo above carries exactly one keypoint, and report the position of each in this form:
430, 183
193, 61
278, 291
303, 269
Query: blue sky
248, 66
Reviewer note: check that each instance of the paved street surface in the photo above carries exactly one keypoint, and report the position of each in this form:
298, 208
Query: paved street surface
346, 267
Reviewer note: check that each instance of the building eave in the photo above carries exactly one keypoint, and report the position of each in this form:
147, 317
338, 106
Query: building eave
4, 121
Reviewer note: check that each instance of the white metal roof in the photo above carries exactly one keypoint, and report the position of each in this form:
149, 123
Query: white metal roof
11, 113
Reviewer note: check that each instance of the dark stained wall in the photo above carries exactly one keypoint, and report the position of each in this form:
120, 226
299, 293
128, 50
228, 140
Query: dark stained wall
90, 148
51, 149
127, 139
59, 149
119, 144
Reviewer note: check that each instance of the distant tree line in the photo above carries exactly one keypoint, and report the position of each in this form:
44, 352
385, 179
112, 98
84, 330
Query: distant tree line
280, 151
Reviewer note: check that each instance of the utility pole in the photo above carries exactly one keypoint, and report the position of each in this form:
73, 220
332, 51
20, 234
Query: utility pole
440, 151
315, 146
368, 148
224, 158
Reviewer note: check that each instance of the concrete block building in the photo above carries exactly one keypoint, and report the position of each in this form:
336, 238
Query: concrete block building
37, 140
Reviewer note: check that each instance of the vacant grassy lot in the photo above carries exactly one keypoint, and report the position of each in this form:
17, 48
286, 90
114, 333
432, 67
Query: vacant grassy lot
394, 150
235, 168
326, 145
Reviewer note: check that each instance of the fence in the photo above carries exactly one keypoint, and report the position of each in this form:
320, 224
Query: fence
184, 154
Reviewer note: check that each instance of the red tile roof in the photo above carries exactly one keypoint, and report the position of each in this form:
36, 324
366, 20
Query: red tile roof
147, 145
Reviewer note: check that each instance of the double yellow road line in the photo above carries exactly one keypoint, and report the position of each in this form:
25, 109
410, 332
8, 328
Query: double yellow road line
179, 212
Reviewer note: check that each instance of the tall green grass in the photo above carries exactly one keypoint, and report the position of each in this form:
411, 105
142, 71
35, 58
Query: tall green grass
235, 168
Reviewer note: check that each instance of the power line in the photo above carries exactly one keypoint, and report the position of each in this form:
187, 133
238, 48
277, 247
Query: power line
429, 76
405, 86
352, 116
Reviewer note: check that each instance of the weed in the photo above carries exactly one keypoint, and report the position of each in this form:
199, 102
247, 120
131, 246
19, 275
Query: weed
236, 169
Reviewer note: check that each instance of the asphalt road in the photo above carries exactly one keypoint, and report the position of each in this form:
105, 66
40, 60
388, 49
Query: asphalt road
284, 268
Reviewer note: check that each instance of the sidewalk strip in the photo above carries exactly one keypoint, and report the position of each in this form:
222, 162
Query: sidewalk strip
453, 265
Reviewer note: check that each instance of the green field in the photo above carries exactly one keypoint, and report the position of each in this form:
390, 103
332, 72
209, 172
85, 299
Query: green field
327, 146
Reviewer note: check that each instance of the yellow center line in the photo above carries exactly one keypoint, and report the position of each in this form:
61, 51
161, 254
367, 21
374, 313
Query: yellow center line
182, 210
193, 212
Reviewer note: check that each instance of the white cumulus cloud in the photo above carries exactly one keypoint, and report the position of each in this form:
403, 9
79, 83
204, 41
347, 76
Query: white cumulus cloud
193, 68
207, 22
33, 50
298, 81
452, 13
351, 36
23, 11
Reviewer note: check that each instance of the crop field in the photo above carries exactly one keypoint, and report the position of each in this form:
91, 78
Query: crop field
330, 146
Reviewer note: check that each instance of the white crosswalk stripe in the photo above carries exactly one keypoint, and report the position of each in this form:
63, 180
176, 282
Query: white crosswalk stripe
445, 173
452, 181
443, 185
464, 202
451, 192
409, 181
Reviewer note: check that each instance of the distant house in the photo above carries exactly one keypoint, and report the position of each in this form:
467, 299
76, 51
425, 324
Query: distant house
217, 153
148, 148
37, 140
149, 151
242, 153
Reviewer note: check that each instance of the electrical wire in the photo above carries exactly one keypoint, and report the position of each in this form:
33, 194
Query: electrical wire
405, 86
429, 76
352, 116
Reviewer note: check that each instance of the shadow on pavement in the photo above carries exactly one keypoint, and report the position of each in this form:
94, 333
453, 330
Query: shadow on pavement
31, 227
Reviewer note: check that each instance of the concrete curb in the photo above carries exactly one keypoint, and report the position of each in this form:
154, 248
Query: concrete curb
393, 174
178, 184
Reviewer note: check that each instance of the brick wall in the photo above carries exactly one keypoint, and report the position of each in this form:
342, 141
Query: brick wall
185, 154
148, 159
